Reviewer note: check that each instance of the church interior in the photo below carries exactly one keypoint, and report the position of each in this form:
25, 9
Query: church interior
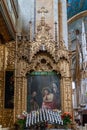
43, 64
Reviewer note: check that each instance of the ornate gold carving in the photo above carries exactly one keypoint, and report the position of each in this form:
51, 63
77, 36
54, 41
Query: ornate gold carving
43, 42
10, 53
1, 57
38, 55
37, 64
2, 50
41, 55
6, 118
84, 74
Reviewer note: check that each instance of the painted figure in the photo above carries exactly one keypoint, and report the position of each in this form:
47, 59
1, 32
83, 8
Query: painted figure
56, 95
48, 99
34, 101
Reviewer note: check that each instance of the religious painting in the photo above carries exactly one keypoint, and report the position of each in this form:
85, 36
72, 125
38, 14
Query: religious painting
43, 91
9, 89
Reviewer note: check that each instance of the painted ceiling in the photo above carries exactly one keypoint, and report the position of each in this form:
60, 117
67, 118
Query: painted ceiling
75, 7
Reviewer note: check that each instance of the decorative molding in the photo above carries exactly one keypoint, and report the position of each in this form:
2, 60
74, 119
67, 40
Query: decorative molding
77, 16
8, 18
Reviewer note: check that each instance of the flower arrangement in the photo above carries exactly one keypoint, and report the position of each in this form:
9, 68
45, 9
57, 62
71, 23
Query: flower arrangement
67, 119
21, 120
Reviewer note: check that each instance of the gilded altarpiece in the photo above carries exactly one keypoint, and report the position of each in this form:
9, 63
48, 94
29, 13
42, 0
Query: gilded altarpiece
6, 64
22, 67
24, 56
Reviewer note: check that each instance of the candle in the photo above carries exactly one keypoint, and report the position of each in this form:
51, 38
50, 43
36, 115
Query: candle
27, 121
53, 117
41, 116
32, 119
47, 114
38, 116
35, 117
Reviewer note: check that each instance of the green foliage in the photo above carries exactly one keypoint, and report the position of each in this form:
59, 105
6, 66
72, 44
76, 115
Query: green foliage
21, 120
66, 119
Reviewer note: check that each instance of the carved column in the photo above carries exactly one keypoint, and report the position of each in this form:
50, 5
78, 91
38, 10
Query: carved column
18, 95
62, 20
66, 86
62, 93
24, 94
2, 54
21, 89
60, 26
67, 94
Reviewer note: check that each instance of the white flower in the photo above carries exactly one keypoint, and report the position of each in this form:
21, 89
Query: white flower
24, 113
18, 116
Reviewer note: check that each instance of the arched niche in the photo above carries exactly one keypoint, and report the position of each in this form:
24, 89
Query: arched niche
43, 62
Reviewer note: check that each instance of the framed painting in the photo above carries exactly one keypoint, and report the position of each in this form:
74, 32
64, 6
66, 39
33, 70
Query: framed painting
43, 91
9, 89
